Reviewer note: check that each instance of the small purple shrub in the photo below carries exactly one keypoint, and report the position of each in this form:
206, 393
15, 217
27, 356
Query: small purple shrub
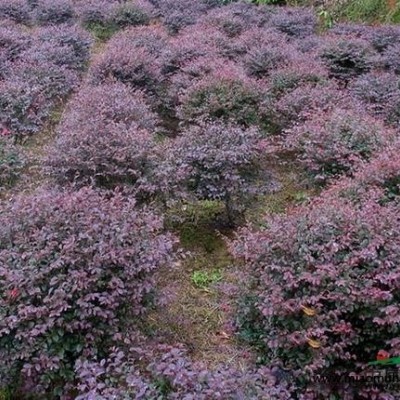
12, 42
212, 161
302, 70
385, 36
102, 140
94, 11
226, 94
333, 144
132, 13
381, 93
75, 269
106, 156
347, 58
327, 288
132, 57
53, 11
62, 45
15, 10
261, 60
391, 58
296, 22
27, 97
381, 172
114, 103
302, 102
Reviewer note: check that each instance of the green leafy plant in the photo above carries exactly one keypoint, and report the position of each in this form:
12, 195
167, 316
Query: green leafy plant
202, 279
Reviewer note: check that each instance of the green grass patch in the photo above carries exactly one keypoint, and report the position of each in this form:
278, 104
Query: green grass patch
203, 279
100, 31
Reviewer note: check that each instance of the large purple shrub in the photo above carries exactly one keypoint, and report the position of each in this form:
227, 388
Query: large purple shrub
332, 144
75, 270
327, 289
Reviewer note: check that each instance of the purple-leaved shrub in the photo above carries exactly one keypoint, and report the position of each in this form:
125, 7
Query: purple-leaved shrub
226, 93
132, 57
103, 138
296, 22
75, 269
15, 10
347, 58
381, 93
212, 161
326, 290
391, 58
132, 13
53, 11
331, 144
385, 36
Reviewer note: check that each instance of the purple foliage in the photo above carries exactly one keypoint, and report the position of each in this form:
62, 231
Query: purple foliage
226, 93
28, 96
381, 172
177, 14
132, 13
61, 45
302, 102
94, 11
53, 11
74, 267
172, 375
132, 57
102, 139
261, 60
328, 283
297, 22
347, 58
391, 58
348, 30
385, 36
15, 10
381, 93
38, 72
212, 161
334, 143
12, 41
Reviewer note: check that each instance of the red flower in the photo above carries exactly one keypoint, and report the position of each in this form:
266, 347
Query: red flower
382, 355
